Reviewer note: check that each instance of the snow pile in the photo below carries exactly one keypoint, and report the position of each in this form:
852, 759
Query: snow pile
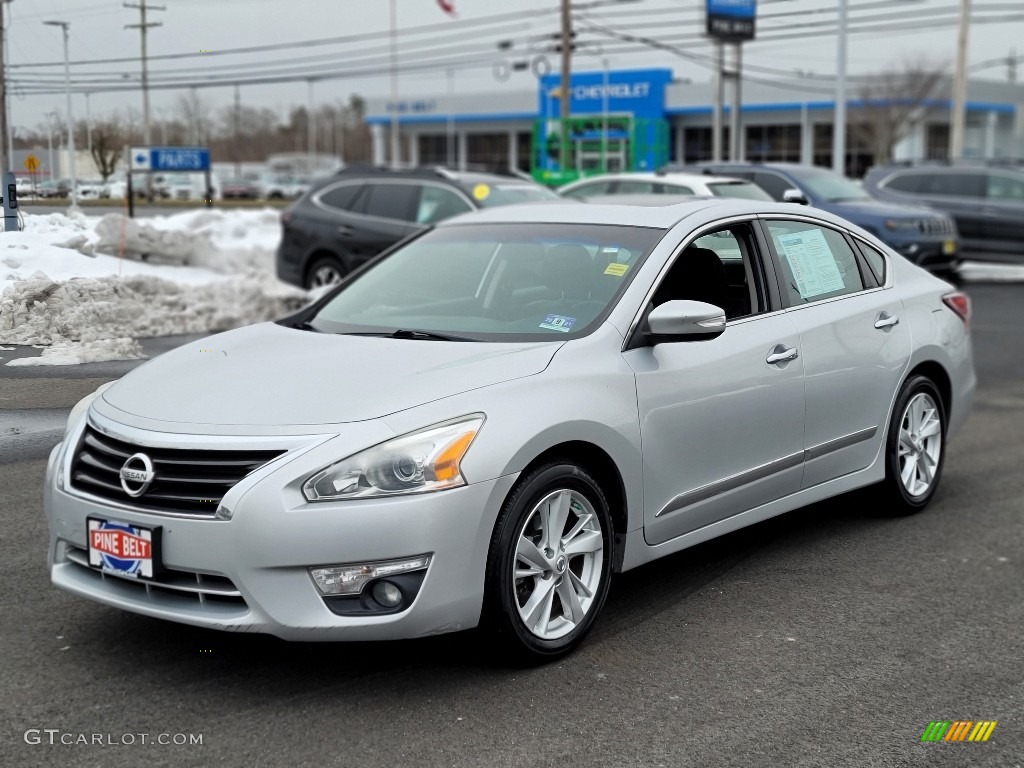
70, 353
59, 286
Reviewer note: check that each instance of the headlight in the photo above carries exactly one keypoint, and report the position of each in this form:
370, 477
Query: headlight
81, 407
901, 225
423, 461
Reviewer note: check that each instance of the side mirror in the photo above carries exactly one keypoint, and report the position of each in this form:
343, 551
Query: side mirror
685, 321
794, 196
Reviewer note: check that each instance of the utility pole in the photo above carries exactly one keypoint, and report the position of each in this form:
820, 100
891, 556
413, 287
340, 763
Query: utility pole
839, 128
958, 118
142, 26
65, 26
565, 89
310, 122
1011, 66
88, 125
238, 145
395, 145
6, 161
716, 114
735, 118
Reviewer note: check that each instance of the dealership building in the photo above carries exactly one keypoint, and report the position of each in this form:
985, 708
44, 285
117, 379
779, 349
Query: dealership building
640, 119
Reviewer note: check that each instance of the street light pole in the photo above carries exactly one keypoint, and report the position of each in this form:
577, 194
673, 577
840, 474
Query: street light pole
65, 26
958, 118
565, 89
395, 146
839, 129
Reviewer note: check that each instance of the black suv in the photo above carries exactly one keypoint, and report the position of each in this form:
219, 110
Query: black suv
352, 216
986, 202
925, 236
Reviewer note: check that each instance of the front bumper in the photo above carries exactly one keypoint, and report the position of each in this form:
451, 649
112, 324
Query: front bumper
250, 573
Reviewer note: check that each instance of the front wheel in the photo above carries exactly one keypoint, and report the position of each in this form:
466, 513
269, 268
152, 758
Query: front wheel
915, 447
549, 565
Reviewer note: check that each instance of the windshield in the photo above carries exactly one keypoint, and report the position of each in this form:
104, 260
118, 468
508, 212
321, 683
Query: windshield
506, 282
491, 195
743, 190
830, 186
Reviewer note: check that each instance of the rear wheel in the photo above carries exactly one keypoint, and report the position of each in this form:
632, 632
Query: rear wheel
324, 271
549, 566
915, 447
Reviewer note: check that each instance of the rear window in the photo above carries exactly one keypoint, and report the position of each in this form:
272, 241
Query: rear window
492, 195
341, 197
742, 190
390, 201
906, 182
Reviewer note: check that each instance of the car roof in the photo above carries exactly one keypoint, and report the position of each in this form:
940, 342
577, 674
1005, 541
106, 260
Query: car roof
665, 176
436, 174
565, 211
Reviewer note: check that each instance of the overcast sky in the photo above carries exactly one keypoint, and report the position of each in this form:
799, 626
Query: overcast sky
191, 26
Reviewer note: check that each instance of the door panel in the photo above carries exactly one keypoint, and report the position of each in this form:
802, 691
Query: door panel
722, 429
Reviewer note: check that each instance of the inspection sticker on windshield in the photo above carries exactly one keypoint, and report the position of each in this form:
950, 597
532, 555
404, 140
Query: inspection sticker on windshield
481, 191
558, 323
616, 269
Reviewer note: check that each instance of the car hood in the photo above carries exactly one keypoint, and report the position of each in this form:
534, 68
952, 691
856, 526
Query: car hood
878, 209
270, 375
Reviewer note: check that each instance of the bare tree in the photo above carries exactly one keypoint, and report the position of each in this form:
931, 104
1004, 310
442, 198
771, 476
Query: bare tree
108, 140
892, 103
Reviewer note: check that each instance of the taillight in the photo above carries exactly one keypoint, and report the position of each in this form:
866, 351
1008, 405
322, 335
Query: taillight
960, 304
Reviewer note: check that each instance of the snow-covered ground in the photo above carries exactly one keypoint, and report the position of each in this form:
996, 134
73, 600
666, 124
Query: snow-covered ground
77, 283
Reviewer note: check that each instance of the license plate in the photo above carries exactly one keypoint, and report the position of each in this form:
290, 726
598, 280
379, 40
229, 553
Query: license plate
122, 548
949, 247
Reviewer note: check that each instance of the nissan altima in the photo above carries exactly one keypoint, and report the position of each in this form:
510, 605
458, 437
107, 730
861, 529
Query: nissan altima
487, 423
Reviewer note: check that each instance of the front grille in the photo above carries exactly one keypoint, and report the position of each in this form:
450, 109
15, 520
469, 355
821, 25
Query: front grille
187, 481
181, 589
935, 226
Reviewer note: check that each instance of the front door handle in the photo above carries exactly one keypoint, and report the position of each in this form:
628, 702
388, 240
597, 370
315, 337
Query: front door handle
781, 354
345, 231
885, 320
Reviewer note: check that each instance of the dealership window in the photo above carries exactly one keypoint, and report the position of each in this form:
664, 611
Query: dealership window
773, 143
487, 149
859, 156
434, 150
936, 141
697, 144
524, 150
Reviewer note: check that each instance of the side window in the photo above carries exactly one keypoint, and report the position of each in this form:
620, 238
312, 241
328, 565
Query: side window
675, 189
718, 268
817, 262
875, 260
389, 201
342, 196
438, 203
1001, 187
634, 187
955, 184
906, 182
773, 184
586, 190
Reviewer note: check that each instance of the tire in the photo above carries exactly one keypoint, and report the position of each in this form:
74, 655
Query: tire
546, 612
915, 448
320, 271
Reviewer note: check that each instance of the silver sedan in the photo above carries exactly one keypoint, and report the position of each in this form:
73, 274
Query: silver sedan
487, 423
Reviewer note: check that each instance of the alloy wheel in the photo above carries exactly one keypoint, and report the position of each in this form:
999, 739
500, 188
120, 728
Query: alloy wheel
920, 444
324, 275
557, 568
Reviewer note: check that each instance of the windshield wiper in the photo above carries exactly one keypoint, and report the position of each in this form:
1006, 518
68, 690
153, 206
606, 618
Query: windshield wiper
403, 333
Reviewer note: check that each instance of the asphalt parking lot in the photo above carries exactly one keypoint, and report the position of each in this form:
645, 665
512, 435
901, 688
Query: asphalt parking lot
826, 637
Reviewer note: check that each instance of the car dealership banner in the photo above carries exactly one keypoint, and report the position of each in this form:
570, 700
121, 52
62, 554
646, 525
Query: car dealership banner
731, 20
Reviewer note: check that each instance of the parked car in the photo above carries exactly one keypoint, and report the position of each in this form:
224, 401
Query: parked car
352, 216
24, 186
282, 187
54, 188
91, 189
925, 236
987, 203
236, 188
490, 422
664, 183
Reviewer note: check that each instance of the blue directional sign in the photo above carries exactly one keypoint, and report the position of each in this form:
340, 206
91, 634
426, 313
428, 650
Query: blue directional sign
170, 159
731, 20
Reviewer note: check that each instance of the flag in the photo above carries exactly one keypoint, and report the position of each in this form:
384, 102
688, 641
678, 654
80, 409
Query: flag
448, 6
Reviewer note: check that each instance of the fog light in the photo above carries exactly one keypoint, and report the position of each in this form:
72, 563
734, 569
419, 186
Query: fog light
387, 594
350, 579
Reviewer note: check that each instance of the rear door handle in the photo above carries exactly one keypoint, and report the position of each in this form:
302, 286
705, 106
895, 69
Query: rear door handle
885, 320
782, 354
345, 231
